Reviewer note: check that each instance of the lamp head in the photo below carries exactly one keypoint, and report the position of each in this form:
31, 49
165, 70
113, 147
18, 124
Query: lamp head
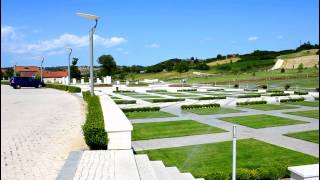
88, 16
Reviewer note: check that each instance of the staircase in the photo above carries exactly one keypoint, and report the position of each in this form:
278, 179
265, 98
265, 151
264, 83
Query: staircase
117, 165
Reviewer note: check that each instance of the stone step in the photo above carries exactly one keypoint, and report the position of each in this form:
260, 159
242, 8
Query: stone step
145, 169
160, 170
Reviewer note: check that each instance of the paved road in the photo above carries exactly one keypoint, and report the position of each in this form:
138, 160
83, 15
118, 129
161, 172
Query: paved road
39, 128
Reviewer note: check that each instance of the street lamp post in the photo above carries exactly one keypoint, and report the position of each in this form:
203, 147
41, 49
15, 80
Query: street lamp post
91, 32
69, 78
41, 68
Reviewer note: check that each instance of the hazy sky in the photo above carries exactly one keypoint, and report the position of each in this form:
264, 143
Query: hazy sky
147, 32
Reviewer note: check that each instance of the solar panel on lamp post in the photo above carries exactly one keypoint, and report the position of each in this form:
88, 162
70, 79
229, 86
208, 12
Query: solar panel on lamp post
69, 78
91, 32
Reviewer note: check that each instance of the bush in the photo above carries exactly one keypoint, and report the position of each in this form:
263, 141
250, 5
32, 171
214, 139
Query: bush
263, 86
123, 101
249, 96
141, 109
292, 100
283, 70
300, 93
300, 67
251, 90
211, 97
166, 100
93, 129
157, 90
251, 103
287, 86
218, 175
197, 106
182, 90
317, 89
123, 91
279, 94
316, 98
5, 82
236, 86
72, 89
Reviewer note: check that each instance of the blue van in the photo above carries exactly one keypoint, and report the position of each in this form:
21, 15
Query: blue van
18, 82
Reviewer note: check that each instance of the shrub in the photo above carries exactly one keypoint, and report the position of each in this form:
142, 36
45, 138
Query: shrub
122, 91
283, 70
263, 86
166, 100
317, 89
181, 90
254, 74
196, 106
5, 82
249, 95
236, 86
211, 97
141, 109
287, 86
102, 85
251, 90
279, 94
156, 90
292, 100
218, 175
316, 98
250, 103
300, 67
93, 129
124, 101
243, 173
300, 93
72, 89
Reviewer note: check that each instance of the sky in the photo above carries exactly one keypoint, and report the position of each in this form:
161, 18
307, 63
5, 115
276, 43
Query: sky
144, 32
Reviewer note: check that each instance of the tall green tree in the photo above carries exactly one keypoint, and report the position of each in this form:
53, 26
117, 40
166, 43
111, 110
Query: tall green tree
182, 67
74, 70
108, 65
8, 74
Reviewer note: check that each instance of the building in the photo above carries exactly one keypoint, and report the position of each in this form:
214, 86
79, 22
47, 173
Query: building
26, 71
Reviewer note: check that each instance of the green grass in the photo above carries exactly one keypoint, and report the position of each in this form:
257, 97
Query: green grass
305, 103
299, 54
156, 130
215, 110
217, 157
312, 136
268, 107
148, 114
261, 121
310, 113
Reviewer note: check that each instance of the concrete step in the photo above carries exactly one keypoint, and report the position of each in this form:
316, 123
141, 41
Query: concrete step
160, 170
174, 173
187, 176
145, 169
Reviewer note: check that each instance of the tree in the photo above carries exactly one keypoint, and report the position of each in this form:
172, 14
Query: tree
287, 86
219, 56
108, 65
8, 73
300, 67
182, 67
74, 70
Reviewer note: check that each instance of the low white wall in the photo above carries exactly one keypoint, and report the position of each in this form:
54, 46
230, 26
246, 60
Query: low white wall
116, 124
305, 172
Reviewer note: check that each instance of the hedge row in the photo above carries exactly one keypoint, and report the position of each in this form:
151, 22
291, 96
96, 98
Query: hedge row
271, 172
124, 101
316, 98
166, 100
102, 85
211, 97
123, 91
292, 100
300, 93
93, 129
141, 109
196, 106
72, 89
251, 103
186, 90
279, 94
157, 90
251, 90
249, 96
5, 82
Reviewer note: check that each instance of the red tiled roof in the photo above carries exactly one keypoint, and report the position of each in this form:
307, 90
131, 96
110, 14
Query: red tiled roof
53, 74
27, 73
26, 68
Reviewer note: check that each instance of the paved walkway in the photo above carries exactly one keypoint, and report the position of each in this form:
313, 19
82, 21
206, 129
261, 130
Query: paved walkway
39, 128
273, 135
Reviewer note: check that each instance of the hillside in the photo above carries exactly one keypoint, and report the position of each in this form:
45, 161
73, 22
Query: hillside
299, 54
228, 60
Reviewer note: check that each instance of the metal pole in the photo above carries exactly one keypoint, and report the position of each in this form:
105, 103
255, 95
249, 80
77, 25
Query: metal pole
91, 62
234, 153
69, 78
14, 70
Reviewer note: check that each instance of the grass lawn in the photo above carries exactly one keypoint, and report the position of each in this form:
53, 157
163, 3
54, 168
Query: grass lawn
305, 103
171, 129
214, 110
312, 136
261, 121
149, 114
268, 107
310, 114
217, 157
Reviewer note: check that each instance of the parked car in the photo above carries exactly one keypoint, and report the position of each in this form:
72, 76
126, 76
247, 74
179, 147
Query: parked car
18, 82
